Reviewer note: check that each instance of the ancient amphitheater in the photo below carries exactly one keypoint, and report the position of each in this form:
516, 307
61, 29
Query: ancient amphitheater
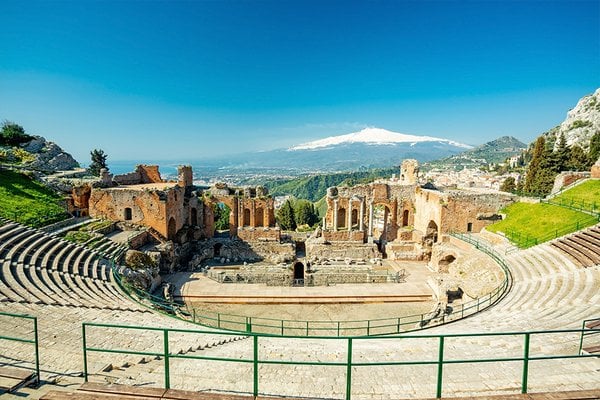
552, 290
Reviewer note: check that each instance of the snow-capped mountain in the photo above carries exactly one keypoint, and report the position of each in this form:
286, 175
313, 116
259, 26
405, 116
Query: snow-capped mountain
369, 148
373, 136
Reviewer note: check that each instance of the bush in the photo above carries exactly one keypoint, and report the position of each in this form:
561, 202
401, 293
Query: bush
13, 134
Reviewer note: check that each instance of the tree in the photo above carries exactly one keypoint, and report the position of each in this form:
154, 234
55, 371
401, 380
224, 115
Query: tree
560, 156
578, 160
508, 185
13, 134
98, 162
304, 213
594, 152
541, 173
285, 217
221, 214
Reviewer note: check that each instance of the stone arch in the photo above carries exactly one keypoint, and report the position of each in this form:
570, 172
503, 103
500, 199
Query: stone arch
217, 249
246, 220
432, 231
298, 273
259, 217
171, 228
127, 214
193, 216
384, 224
354, 216
341, 217
405, 215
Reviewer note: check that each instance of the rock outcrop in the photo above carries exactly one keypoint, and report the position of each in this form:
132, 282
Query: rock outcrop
49, 157
582, 122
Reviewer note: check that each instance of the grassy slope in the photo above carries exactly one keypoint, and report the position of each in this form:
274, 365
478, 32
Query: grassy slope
527, 224
28, 201
585, 195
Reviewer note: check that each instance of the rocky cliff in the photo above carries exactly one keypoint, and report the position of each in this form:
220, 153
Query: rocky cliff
47, 156
582, 122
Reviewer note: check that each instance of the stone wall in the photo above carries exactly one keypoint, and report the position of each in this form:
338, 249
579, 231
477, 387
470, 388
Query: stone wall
317, 251
567, 178
142, 174
458, 210
344, 236
259, 234
151, 208
595, 173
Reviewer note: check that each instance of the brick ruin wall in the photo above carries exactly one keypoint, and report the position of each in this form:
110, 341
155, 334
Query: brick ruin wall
142, 174
455, 210
249, 234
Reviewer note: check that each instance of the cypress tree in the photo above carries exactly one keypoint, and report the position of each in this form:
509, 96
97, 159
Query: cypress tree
285, 217
578, 160
561, 155
533, 171
594, 152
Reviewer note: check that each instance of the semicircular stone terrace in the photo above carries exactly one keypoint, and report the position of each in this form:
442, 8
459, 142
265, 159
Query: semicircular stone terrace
63, 285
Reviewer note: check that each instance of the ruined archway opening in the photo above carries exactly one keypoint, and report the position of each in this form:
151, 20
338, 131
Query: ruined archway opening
405, 215
354, 217
298, 274
449, 259
383, 226
193, 216
221, 214
171, 228
469, 227
246, 218
432, 232
127, 214
217, 249
259, 217
341, 218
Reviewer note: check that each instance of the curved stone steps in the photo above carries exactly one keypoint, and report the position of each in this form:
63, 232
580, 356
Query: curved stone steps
10, 281
7, 226
11, 240
25, 264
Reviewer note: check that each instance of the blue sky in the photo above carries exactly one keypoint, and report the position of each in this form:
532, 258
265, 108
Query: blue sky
152, 80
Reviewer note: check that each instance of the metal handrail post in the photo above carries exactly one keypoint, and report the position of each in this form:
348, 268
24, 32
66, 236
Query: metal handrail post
581, 337
525, 363
349, 371
166, 354
255, 366
37, 351
440, 374
85, 368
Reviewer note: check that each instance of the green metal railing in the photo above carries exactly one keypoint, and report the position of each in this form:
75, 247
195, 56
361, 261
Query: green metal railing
591, 331
33, 341
588, 207
526, 241
441, 361
373, 327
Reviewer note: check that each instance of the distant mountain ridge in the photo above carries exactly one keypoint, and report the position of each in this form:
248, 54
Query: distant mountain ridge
495, 152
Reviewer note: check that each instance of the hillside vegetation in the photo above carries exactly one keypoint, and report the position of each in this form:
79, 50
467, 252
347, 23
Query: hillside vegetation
315, 187
528, 224
24, 200
585, 196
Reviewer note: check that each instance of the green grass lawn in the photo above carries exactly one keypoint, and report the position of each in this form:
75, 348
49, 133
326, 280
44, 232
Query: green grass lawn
529, 224
29, 202
585, 196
